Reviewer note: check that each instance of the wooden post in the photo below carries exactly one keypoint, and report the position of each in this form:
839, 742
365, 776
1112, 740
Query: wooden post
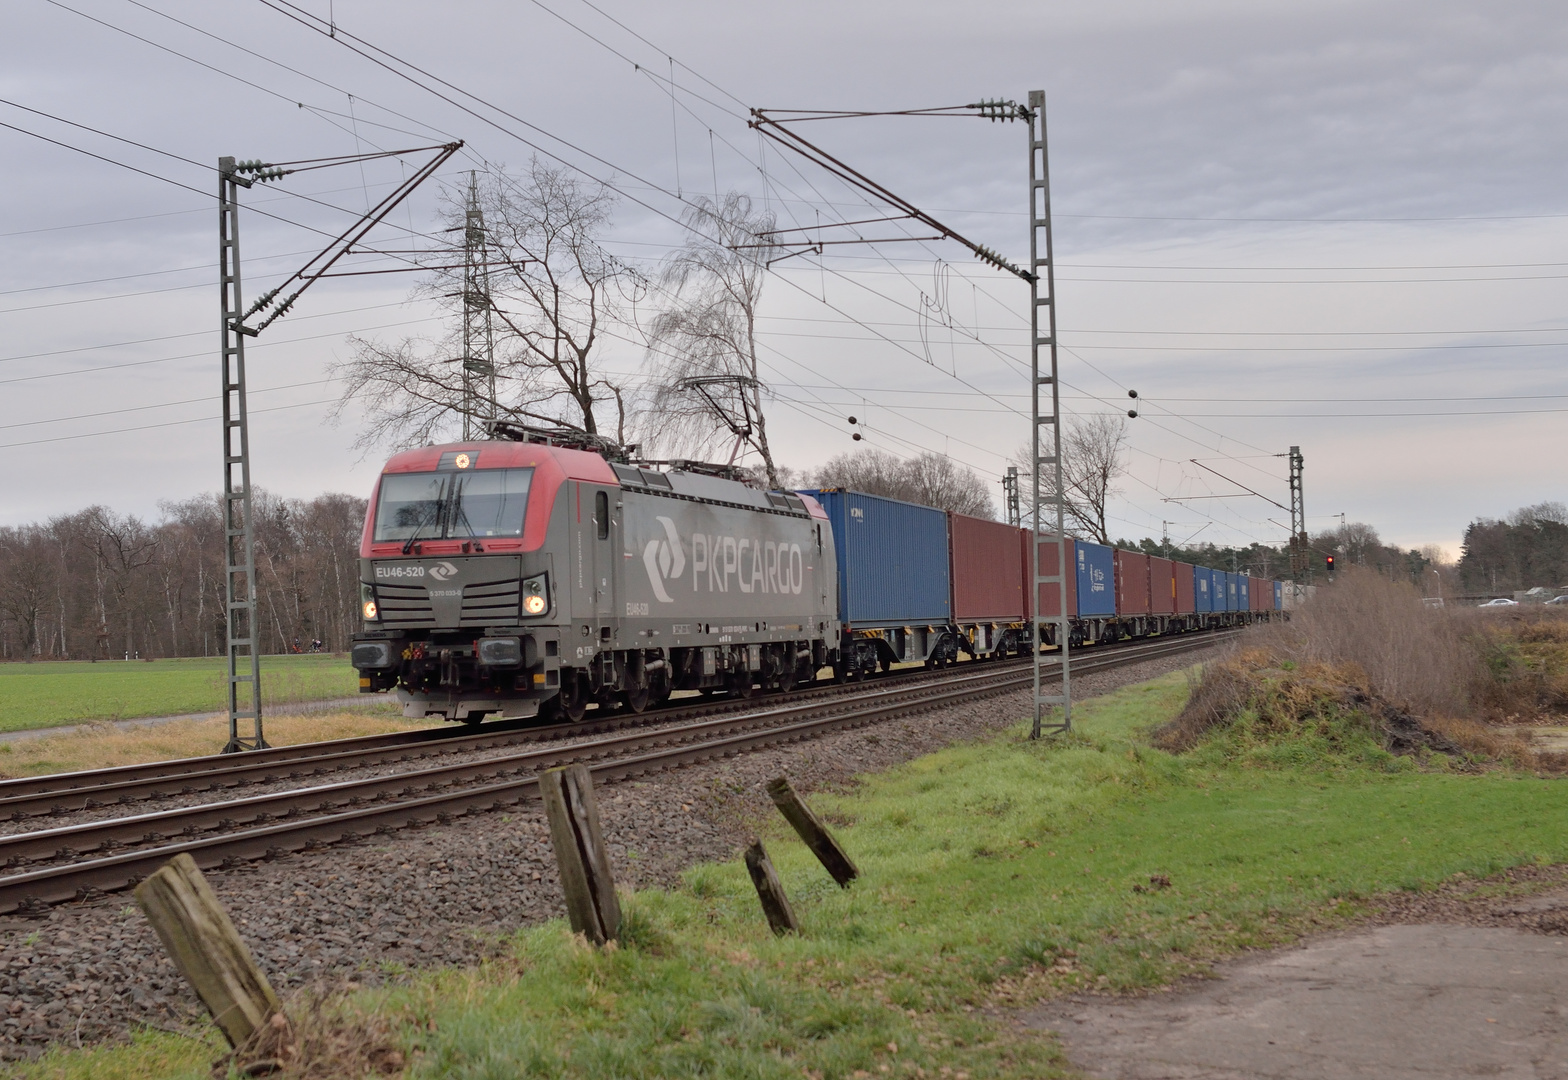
204, 945
813, 832
580, 853
775, 905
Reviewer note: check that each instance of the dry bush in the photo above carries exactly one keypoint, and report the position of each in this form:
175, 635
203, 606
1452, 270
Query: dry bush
1413, 657
318, 1039
1523, 655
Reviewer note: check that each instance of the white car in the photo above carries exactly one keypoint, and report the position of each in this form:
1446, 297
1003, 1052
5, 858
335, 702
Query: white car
1501, 602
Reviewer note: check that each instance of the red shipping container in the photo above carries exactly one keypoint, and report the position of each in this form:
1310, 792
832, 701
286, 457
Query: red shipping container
1162, 586
1050, 596
1186, 602
1260, 588
1132, 583
988, 582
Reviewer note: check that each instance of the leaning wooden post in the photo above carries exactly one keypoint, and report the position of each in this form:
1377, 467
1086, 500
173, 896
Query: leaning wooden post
813, 832
204, 945
591, 904
775, 905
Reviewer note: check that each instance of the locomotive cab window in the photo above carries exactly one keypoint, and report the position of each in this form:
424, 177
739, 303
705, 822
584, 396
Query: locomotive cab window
601, 514
452, 505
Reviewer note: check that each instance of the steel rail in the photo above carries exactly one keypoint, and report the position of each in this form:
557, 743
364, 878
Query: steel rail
77, 839
32, 892
27, 796
74, 792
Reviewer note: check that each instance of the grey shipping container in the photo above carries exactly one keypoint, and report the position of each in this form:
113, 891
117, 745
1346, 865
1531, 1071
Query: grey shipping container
892, 560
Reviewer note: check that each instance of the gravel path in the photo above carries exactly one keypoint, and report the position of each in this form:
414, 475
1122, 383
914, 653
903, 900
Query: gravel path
440, 895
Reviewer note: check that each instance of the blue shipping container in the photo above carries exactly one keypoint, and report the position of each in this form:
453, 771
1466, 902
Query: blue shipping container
892, 560
1096, 579
1235, 588
1279, 596
1202, 591
1217, 587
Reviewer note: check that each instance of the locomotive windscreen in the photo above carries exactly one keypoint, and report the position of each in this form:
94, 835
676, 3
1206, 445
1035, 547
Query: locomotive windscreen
452, 505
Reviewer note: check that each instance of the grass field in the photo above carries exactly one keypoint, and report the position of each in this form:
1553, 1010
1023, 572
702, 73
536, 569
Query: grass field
993, 875
47, 694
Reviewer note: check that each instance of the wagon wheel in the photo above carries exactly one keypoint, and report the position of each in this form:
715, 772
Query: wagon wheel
740, 684
786, 679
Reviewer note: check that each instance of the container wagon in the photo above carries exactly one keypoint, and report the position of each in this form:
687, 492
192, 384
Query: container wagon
1132, 593
988, 586
894, 581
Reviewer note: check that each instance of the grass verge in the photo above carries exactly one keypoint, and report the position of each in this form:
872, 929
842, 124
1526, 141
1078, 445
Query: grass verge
994, 875
102, 746
45, 695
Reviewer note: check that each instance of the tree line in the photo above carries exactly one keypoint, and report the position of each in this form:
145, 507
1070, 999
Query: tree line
99, 585
1526, 550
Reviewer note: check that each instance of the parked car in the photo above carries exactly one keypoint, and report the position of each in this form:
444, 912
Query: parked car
1561, 600
1501, 602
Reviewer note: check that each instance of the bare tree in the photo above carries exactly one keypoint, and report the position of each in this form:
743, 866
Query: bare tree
553, 291
703, 347
1094, 457
929, 479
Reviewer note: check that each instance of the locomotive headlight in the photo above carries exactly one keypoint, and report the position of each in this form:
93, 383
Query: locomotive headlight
500, 652
367, 602
536, 595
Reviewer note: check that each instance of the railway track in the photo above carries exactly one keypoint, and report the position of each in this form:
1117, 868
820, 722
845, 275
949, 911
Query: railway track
76, 862
67, 793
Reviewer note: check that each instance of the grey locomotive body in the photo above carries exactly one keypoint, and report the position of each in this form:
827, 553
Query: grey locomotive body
583, 581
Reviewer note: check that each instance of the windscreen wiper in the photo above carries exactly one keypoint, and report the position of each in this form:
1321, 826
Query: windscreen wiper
440, 504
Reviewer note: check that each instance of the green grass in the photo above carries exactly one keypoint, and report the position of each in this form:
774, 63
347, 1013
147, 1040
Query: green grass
996, 873
47, 694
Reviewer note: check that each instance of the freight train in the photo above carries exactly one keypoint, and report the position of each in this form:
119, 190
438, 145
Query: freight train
541, 573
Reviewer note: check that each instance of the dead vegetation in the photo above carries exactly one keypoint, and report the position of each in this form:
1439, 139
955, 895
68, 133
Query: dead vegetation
324, 1041
1367, 665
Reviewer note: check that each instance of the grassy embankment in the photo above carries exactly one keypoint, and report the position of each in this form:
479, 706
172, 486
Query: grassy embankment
49, 694
993, 874
37, 697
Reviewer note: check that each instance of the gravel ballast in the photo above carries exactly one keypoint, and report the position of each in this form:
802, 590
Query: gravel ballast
441, 895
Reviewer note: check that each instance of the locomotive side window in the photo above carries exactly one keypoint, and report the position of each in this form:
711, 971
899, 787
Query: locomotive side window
601, 514
448, 505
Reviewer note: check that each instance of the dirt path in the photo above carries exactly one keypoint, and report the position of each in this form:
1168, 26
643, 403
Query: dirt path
1484, 992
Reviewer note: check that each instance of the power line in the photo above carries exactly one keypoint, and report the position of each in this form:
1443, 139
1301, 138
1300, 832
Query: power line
150, 427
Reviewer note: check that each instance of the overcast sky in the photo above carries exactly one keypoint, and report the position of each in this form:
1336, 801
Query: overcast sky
1333, 225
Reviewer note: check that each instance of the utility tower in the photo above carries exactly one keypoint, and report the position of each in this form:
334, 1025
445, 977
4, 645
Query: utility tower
1046, 426
1010, 498
243, 675
479, 400
1300, 565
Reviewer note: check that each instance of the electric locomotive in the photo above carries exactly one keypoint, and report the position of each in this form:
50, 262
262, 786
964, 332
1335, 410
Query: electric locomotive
536, 574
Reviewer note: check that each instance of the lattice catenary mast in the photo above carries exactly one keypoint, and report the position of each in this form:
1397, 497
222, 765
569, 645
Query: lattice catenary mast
1042, 294
478, 323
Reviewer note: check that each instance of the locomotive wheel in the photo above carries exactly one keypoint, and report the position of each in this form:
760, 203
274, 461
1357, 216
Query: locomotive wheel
740, 684
572, 702
840, 672
786, 679
637, 698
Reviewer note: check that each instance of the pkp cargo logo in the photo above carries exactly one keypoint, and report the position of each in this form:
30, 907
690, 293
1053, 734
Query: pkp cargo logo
664, 560
442, 570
